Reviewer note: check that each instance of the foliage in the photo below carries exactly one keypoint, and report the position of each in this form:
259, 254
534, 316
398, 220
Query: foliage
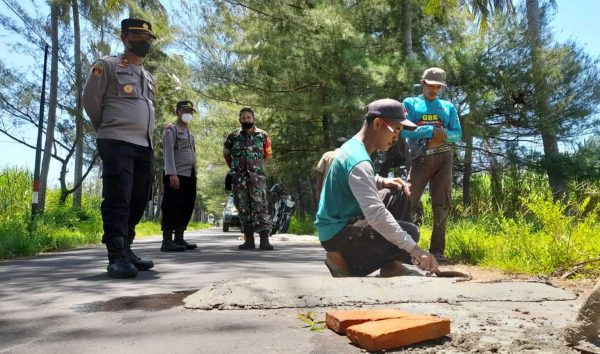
15, 192
60, 227
152, 228
310, 318
537, 236
302, 226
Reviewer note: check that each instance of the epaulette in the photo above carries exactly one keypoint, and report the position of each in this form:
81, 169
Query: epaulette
108, 58
171, 126
236, 132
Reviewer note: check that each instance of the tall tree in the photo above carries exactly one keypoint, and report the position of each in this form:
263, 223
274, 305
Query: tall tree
52, 105
407, 47
546, 122
79, 126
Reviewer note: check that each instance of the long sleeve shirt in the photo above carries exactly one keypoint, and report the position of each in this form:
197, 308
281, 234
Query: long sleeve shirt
428, 115
364, 186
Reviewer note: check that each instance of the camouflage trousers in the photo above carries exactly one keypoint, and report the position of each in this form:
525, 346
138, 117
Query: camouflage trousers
250, 198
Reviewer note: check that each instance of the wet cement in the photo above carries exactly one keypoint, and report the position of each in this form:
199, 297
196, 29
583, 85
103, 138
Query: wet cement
272, 293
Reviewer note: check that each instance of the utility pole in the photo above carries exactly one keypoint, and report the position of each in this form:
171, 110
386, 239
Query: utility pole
38, 149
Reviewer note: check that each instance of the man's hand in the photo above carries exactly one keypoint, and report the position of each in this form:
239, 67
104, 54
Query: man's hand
438, 139
397, 183
424, 260
174, 181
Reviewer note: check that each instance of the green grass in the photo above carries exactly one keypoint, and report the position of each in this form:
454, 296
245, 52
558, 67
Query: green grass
152, 228
540, 240
303, 226
58, 228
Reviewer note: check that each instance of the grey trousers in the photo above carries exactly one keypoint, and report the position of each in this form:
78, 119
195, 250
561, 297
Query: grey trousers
435, 170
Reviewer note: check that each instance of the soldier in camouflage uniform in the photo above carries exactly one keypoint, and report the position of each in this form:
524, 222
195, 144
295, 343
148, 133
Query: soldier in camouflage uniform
245, 151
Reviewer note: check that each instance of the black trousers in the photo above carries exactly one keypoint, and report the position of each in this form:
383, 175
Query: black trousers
178, 204
364, 249
126, 185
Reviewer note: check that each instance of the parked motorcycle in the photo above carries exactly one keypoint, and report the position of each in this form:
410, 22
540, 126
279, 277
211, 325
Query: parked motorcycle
283, 208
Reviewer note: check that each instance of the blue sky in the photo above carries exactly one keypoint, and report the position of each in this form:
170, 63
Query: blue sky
574, 19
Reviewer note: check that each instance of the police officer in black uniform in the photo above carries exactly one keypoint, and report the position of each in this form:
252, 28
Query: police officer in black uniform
119, 99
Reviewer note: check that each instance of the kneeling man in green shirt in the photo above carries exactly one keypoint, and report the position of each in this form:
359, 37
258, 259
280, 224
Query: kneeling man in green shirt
359, 234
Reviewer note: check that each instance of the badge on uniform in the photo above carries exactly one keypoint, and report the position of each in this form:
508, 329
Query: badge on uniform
97, 70
128, 88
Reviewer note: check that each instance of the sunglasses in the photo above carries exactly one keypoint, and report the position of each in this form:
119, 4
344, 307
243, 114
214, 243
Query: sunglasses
388, 126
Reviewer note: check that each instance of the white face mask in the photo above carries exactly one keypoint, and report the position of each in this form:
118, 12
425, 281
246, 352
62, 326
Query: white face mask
186, 118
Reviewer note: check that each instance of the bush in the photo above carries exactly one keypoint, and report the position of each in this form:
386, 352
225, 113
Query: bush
303, 226
540, 240
15, 193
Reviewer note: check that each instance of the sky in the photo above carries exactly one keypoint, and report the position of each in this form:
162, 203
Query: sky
574, 19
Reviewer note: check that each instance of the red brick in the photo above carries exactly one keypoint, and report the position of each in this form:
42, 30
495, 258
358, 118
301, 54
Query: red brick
338, 321
398, 332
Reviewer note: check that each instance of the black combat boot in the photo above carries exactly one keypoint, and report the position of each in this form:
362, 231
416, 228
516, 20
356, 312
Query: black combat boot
168, 245
264, 241
119, 265
138, 262
181, 242
249, 239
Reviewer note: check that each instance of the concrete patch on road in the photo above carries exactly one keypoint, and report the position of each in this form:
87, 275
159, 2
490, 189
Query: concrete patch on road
272, 293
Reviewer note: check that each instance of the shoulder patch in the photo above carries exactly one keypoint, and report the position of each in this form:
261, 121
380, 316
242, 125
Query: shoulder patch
97, 70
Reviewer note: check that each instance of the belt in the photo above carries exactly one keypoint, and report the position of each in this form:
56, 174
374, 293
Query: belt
355, 219
437, 150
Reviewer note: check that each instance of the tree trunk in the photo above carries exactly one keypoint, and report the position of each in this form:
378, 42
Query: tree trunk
326, 123
495, 176
79, 107
407, 49
546, 124
51, 108
313, 194
468, 162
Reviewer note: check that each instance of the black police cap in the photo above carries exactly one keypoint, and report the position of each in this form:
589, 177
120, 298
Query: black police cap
185, 104
137, 26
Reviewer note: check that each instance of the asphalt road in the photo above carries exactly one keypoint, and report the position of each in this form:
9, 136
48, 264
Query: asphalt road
65, 303
61, 302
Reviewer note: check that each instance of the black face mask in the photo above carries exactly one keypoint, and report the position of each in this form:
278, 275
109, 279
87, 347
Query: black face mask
247, 125
139, 48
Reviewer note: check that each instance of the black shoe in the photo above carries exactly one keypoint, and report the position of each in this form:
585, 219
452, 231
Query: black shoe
264, 241
138, 262
266, 246
120, 267
170, 246
187, 245
247, 245
248, 238
441, 259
